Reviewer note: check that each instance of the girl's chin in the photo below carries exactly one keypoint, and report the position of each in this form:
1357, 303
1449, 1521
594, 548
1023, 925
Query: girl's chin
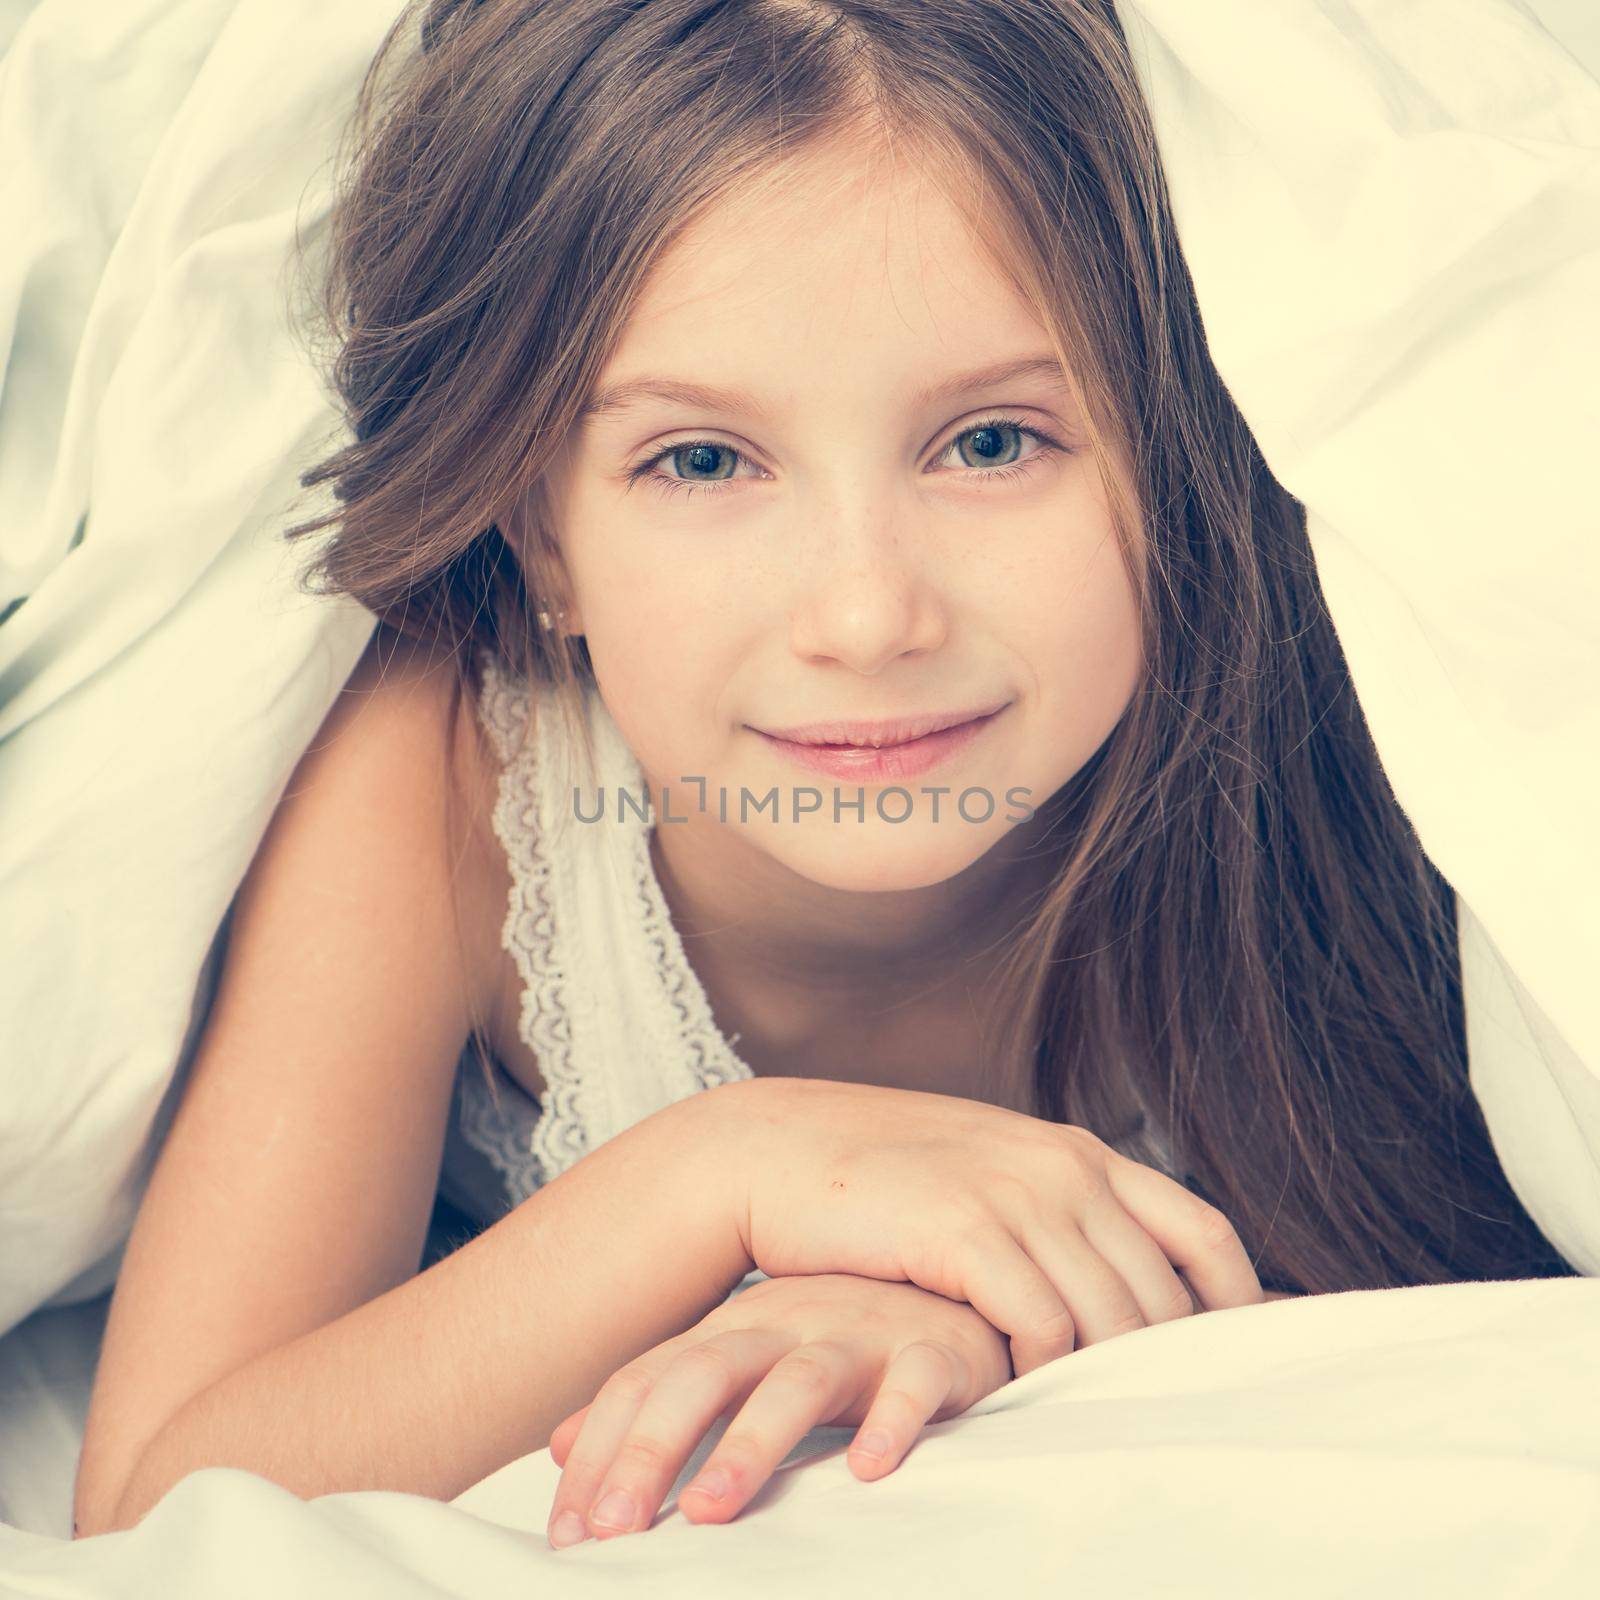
876, 857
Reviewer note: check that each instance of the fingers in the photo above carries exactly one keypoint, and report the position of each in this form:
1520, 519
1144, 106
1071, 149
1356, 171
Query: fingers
919, 1380
1094, 1292
1197, 1238
643, 1426
1082, 1298
1140, 1249
808, 1386
564, 1433
1055, 1285
1156, 1285
1009, 1290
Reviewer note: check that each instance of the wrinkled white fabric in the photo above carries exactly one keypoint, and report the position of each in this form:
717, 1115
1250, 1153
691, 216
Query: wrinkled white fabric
1432, 1441
1392, 214
163, 675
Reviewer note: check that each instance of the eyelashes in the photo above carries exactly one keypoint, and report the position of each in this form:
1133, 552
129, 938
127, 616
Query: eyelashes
1009, 472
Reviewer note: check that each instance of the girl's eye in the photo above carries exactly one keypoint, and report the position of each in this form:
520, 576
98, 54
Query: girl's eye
693, 457
992, 455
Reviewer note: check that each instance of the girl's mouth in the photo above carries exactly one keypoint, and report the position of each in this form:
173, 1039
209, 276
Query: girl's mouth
887, 763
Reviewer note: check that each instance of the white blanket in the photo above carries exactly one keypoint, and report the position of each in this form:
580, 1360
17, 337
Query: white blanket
1392, 213
1401, 1442
162, 676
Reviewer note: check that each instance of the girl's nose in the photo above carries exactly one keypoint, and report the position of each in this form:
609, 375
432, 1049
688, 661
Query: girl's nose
865, 601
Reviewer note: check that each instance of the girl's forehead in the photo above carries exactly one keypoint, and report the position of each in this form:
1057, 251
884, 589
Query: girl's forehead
836, 209
896, 268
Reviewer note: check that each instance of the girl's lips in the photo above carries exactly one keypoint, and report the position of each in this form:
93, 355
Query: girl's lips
888, 763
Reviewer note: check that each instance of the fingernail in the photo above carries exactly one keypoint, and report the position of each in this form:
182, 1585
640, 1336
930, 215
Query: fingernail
713, 1482
568, 1529
615, 1511
873, 1445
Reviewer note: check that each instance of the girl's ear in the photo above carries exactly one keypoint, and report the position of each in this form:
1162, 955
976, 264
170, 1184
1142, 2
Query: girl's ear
554, 597
544, 570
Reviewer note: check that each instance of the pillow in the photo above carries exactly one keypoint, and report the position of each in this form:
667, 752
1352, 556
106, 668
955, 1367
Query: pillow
160, 674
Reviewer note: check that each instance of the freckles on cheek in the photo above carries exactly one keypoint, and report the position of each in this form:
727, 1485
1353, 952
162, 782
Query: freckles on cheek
651, 661
1088, 641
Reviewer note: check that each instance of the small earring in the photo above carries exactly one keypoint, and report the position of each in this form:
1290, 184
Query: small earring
544, 618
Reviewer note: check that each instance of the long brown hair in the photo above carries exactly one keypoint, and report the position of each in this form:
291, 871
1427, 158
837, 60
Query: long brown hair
1236, 919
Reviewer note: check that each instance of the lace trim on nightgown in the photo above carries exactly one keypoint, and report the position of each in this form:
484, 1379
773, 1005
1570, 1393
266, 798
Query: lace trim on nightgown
554, 1139
499, 1124
708, 1053
528, 1143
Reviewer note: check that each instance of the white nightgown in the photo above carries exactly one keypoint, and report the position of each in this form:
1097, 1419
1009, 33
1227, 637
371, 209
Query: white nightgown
611, 1007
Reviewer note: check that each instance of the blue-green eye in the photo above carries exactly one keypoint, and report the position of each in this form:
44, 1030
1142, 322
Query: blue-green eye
694, 456
996, 443
993, 457
706, 457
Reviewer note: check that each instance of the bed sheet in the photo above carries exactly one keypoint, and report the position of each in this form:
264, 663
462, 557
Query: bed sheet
1430, 1441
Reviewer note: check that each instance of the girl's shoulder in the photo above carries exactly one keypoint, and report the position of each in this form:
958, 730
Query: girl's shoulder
452, 724
416, 686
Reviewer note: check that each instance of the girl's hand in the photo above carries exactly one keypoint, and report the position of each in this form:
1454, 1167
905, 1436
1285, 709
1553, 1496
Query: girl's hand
1052, 1236
793, 1354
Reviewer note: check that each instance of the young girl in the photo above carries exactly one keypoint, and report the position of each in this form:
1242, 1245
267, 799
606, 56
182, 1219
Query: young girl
912, 833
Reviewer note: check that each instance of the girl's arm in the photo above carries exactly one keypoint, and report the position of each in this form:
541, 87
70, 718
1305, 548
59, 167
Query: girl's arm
438, 1382
269, 1314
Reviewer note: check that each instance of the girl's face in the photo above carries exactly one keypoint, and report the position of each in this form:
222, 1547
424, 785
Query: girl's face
815, 496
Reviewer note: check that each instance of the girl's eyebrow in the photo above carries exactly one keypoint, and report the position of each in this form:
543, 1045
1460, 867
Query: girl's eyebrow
617, 397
